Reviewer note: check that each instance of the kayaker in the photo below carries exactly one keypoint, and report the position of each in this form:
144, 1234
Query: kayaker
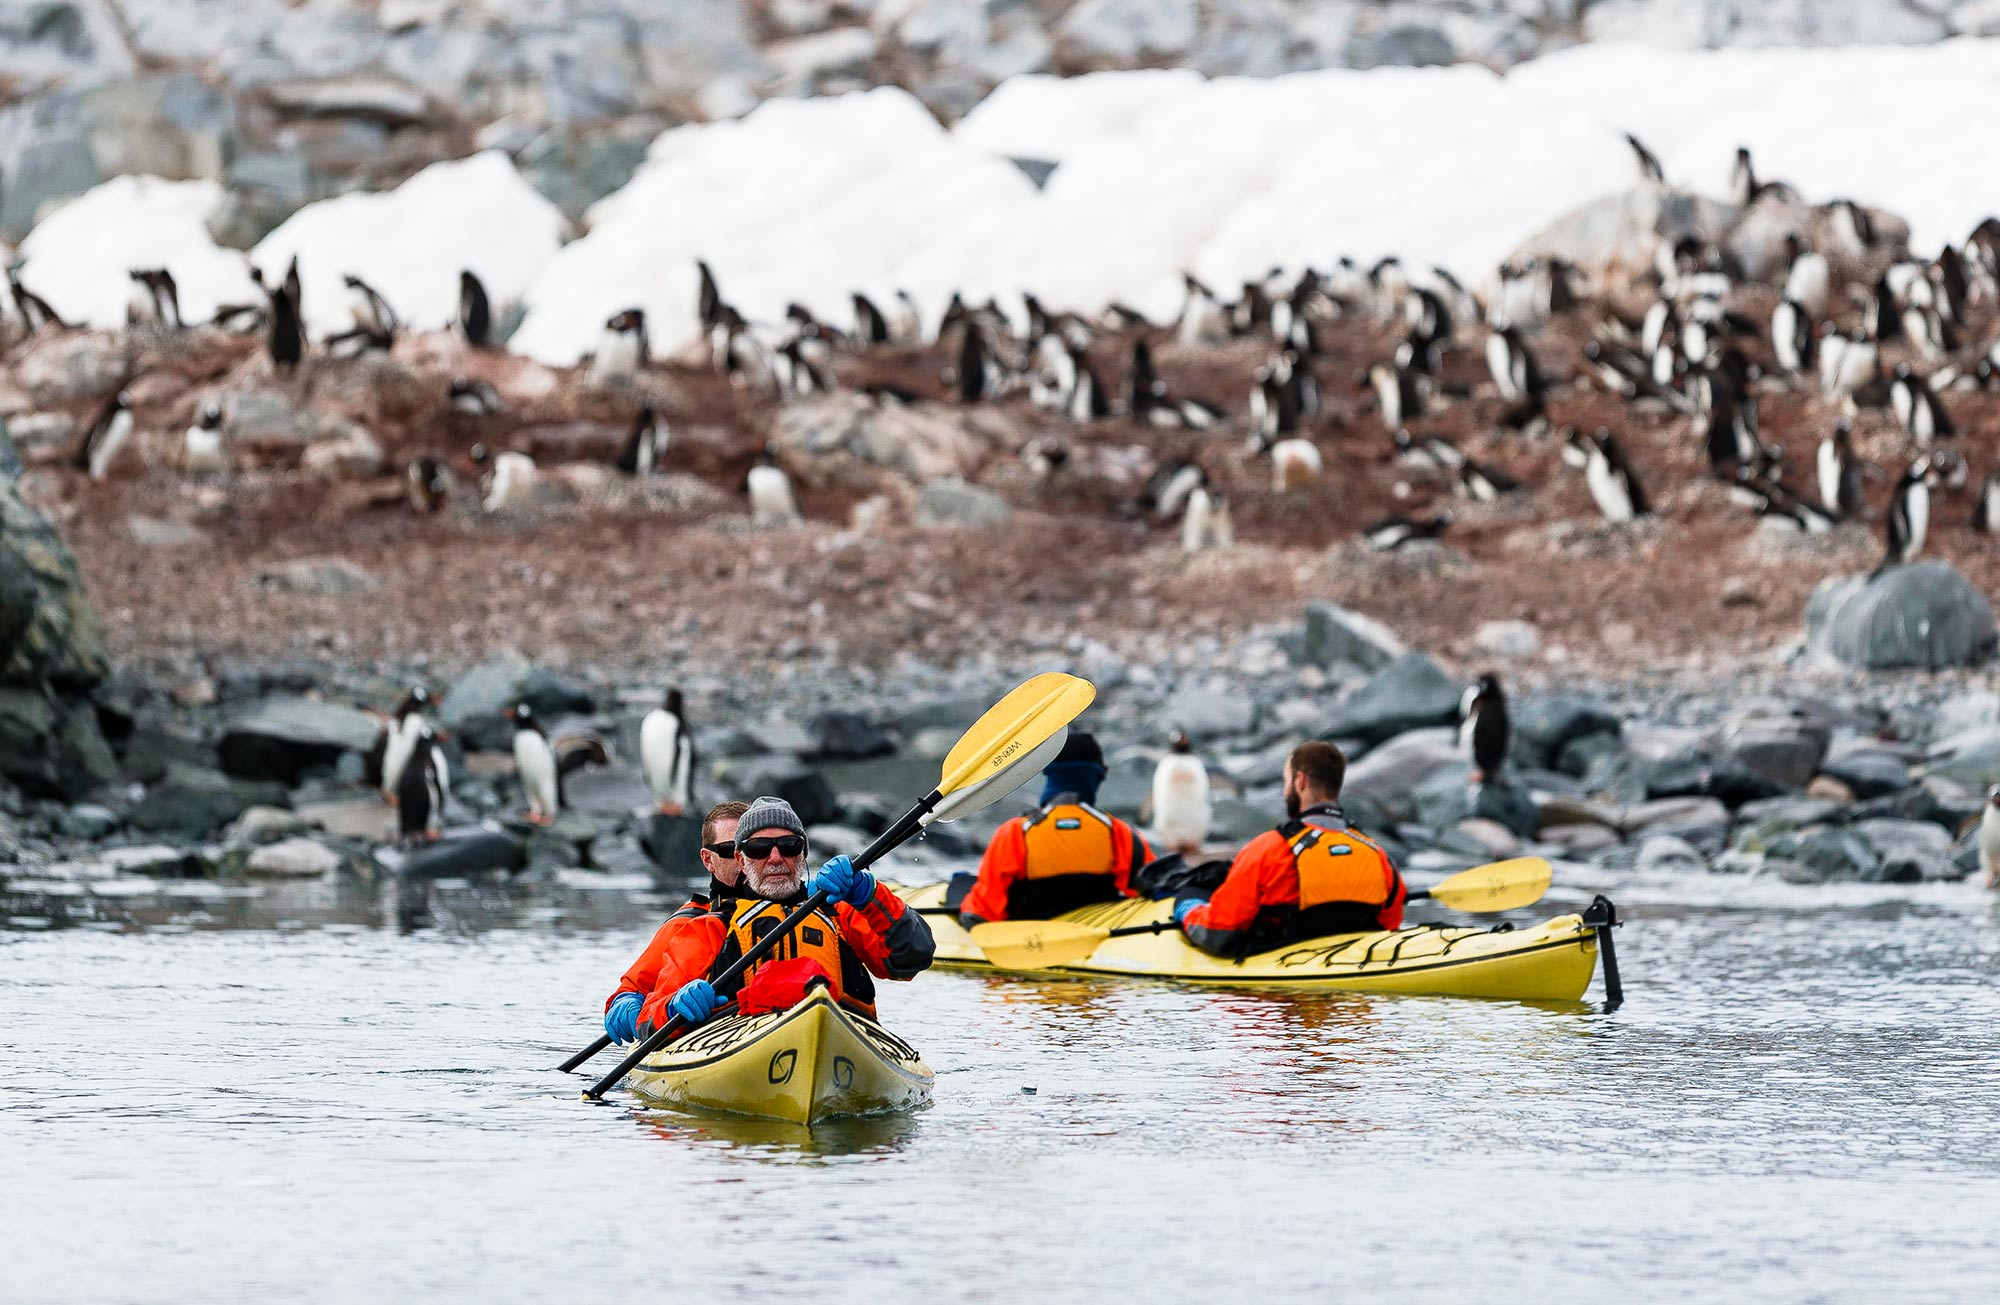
1067, 854
863, 933
718, 857
1312, 876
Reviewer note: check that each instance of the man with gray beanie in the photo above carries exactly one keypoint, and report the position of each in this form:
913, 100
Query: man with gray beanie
863, 931
1066, 855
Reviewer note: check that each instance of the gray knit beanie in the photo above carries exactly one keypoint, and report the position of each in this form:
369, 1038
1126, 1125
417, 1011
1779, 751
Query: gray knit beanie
769, 813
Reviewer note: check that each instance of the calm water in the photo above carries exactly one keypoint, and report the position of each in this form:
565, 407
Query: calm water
1800, 1100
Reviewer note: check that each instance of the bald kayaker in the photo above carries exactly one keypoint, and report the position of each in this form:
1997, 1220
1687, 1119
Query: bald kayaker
1312, 876
1065, 855
864, 932
718, 857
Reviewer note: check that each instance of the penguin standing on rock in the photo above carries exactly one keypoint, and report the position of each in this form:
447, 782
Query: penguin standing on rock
1483, 730
1989, 837
285, 338
535, 760
34, 310
1205, 521
409, 724
106, 437
1182, 807
421, 790
475, 311
772, 502
1909, 519
666, 751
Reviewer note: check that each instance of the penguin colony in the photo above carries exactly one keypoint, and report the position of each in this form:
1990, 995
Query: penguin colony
1881, 355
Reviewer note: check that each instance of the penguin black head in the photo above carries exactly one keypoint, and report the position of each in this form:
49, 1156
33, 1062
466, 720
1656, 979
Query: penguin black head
124, 400
1993, 797
480, 455
211, 415
673, 702
523, 717
1182, 744
1902, 371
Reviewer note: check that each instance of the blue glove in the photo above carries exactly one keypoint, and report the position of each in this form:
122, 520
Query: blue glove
843, 883
1186, 906
621, 1017
695, 1002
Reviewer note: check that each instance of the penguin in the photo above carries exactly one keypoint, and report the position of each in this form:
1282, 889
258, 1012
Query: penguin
1395, 393
535, 761
512, 481
422, 790
1614, 485
644, 445
34, 310
473, 397
1743, 179
371, 312
239, 319
1484, 484
1051, 373
1881, 316
154, 300
1203, 319
1771, 501
1928, 331
1808, 277
1840, 472
1730, 434
906, 322
1147, 400
708, 296
1909, 518
1086, 400
1182, 806
1847, 363
295, 288
622, 348
1986, 513
871, 326
1295, 464
1616, 369
1167, 489
1205, 520
426, 484
105, 437
1649, 165
1391, 533
772, 502
666, 752
475, 310
1953, 286
1483, 730
1916, 405
1989, 837
1792, 336
407, 725
1045, 455
1510, 363
285, 339
1432, 454
977, 375
203, 452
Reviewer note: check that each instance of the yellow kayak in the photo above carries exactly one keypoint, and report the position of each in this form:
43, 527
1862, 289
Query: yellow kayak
1550, 961
815, 1061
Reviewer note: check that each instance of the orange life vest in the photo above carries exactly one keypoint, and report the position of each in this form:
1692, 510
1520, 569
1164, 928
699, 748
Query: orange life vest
817, 937
1071, 838
1338, 865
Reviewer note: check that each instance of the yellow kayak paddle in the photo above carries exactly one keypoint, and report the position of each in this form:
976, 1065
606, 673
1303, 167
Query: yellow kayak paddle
1041, 944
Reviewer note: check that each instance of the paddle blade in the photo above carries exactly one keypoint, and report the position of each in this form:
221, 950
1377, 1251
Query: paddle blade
988, 791
1036, 944
1002, 742
1500, 886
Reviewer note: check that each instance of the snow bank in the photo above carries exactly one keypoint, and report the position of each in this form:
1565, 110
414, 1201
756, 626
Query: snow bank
80, 257
1164, 171
411, 243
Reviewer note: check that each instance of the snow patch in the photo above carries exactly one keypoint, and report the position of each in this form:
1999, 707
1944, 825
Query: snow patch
80, 257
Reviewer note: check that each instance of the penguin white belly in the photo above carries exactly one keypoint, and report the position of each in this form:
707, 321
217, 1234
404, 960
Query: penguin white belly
536, 761
1829, 476
111, 444
141, 309
202, 452
1295, 463
617, 356
771, 501
1808, 284
513, 481
1182, 808
1390, 396
1917, 504
659, 750
1856, 368
1194, 521
1608, 488
1989, 844
1500, 363
402, 743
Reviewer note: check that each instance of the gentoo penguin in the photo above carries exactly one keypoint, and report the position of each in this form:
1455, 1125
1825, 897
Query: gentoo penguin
1182, 806
1391, 533
1847, 363
473, 397
1840, 472
666, 751
154, 300
34, 310
1484, 484
1928, 331
708, 296
1881, 316
1808, 277
1167, 489
1986, 513
772, 502
239, 319
511, 483
409, 723
1203, 319
1909, 518
1953, 286
1483, 729
1295, 463
1205, 521
1614, 486
1431, 454
202, 450
1086, 400
644, 445
1916, 405
475, 310
426, 484
370, 311
1395, 394
1147, 399
295, 286
906, 322
1045, 455
622, 348
800, 366
421, 791
977, 375
535, 760
1989, 837
285, 338
105, 438
1792, 336
1649, 164
1510, 363
871, 325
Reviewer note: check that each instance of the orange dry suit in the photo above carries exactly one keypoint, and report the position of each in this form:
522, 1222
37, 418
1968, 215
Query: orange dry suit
1066, 855
644, 975
1308, 878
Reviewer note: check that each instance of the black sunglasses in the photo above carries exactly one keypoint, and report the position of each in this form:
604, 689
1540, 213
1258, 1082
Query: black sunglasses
724, 849
757, 849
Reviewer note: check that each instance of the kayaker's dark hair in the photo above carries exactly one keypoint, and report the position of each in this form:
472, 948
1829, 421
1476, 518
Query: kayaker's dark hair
1322, 765
719, 812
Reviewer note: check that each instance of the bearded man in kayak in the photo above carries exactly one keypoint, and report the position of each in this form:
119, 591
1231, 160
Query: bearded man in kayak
1067, 854
862, 933
1310, 877
718, 857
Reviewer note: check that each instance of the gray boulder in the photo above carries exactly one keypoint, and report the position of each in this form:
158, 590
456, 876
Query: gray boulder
1834, 854
953, 502
474, 708
849, 735
1546, 727
51, 747
1869, 774
1118, 33
1448, 797
673, 843
1335, 636
1210, 711
1410, 693
1665, 853
1924, 616
195, 803
1787, 753
48, 633
1908, 851
284, 738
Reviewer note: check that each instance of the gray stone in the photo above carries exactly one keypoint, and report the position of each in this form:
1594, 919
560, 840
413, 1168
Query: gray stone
621, 854
1788, 813
474, 707
953, 502
1545, 727
673, 843
1784, 752
193, 803
1924, 615
284, 738
1868, 774
1408, 45
331, 576
1695, 772
1666, 854
10, 456
1448, 797
1210, 711
48, 633
1391, 774
1647, 816
1578, 841
1509, 639
1335, 636
812, 796
607, 791
261, 825
88, 821
1410, 693
161, 532
849, 735
574, 170
1909, 851
292, 858
1835, 854
51, 747
1119, 33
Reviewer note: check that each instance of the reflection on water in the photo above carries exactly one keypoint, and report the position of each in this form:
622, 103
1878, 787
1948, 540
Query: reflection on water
284, 1097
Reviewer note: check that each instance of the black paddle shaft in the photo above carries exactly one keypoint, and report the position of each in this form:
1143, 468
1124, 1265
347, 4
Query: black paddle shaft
889, 840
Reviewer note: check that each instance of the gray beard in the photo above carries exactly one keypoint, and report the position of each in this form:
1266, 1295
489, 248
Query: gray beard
774, 885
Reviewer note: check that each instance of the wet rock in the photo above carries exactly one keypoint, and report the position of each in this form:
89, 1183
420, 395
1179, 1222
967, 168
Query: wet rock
1448, 797
1694, 772
1410, 693
1581, 841
1783, 752
292, 858
1391, 774
88, 822
809, 792
849, 735
1666, 854
1335, 636
1908, 851
48, 633
472, 708
262, 825
953, 502
1924, 615
284, 738
1703, 822
1210, 711
193, 803
1835, 854
461, 852
1490, 839
621, 853
52, 748
607, 791
1868, 774
1784, 814
1545, 727
364, 820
